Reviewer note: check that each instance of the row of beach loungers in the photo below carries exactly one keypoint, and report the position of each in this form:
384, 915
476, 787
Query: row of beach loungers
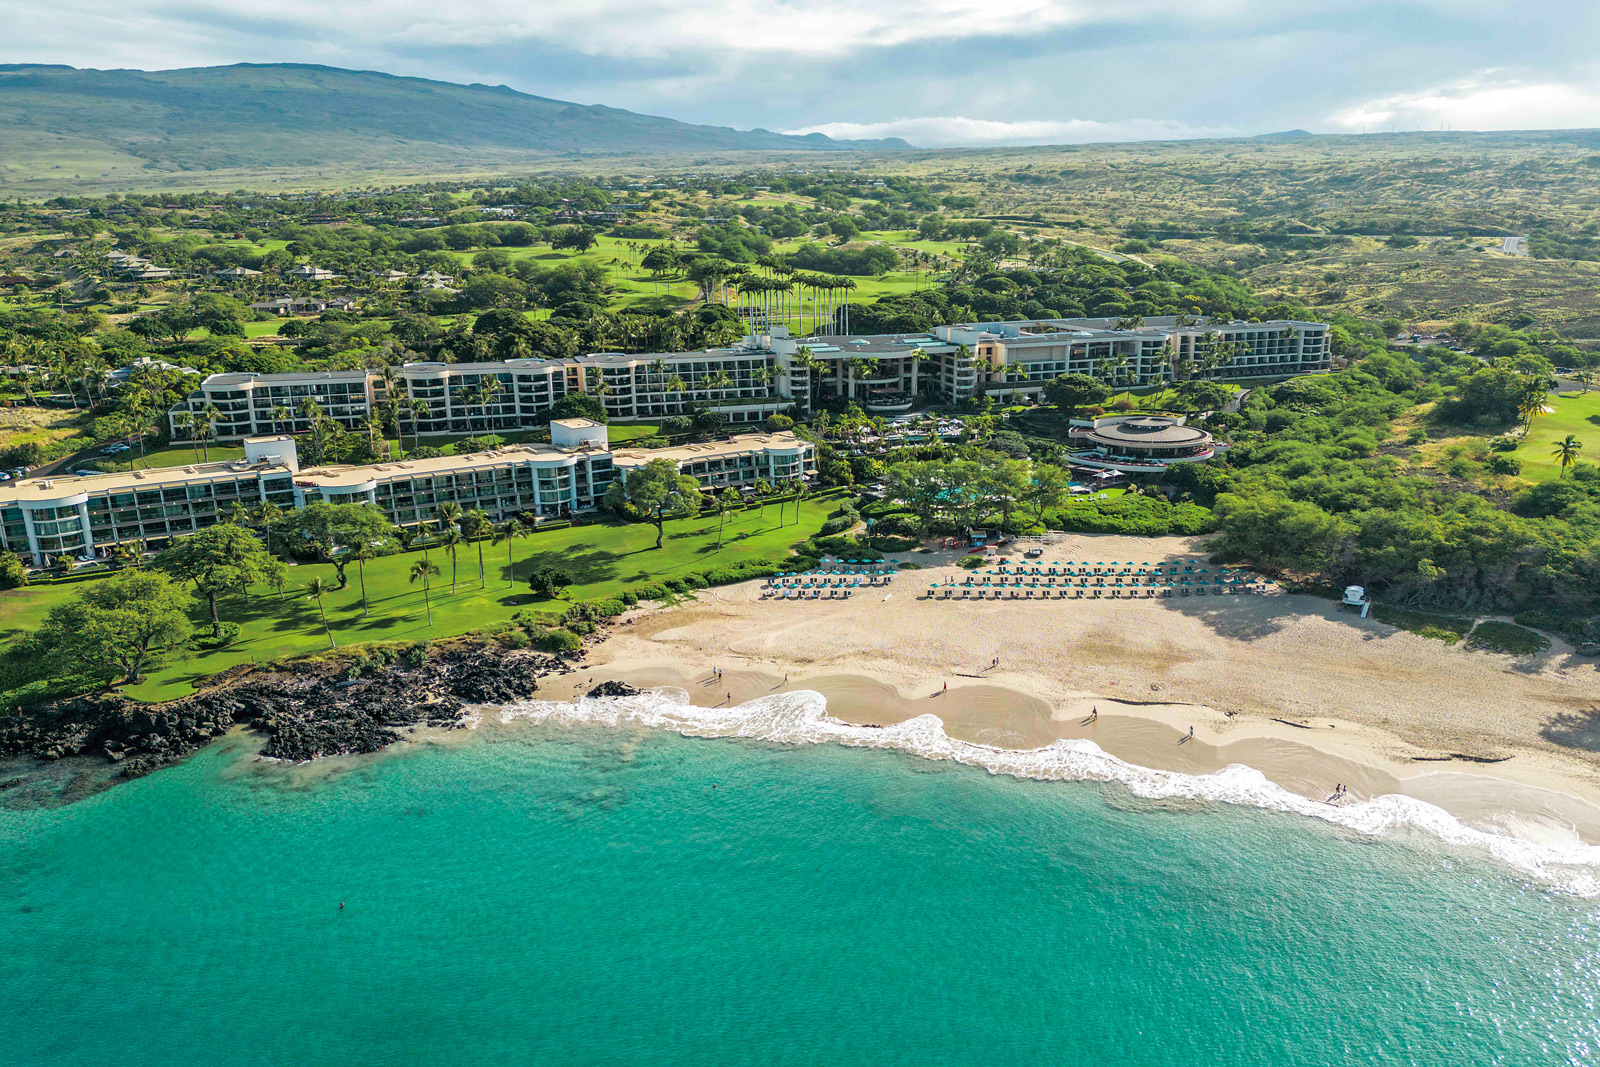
1015, 592
826, 581
808, 594
1090, 580
823, 585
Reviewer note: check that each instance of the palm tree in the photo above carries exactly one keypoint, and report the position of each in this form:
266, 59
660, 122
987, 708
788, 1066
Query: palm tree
205, 424
800, 493
449, 512
362, 553
473, 526
450, 540
424, 531
1531, 404
238, 514
423, 570
720, 502
316, 589
509, 531
267, 514
184, 420
1566, 452
280, 415
763, 489
418, 410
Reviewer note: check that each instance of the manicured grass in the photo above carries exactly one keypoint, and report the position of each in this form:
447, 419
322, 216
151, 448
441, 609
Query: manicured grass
1578, 415
603, 560
178, 454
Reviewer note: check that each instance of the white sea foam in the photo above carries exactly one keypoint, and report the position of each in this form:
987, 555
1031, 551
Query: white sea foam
801, 718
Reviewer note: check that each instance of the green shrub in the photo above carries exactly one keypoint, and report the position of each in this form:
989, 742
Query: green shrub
230, 631
843, 519
1508, 638
1500, 463
45, 690
591, 610
415, 654
848, 547
972, 563
629, 598
898, 524
893, 544
557, 640
1140, 516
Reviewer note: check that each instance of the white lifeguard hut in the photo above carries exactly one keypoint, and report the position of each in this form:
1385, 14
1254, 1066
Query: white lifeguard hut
1355, 596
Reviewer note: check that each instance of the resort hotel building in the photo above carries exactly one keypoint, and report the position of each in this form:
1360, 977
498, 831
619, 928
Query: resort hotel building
43, 518
764, 374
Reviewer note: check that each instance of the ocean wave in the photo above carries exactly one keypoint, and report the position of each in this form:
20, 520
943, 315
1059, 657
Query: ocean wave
801, 718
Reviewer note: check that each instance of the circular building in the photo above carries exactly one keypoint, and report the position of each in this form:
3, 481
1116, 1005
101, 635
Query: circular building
1152, 439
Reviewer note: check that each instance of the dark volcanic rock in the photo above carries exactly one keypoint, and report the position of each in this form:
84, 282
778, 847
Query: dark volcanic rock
305, 714
613, 689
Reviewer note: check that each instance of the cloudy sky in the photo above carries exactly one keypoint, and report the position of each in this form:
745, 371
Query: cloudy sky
936, 72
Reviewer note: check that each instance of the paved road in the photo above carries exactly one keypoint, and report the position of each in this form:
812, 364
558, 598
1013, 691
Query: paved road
1514, 246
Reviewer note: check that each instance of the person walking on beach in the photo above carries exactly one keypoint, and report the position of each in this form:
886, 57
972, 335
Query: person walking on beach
1191, 733
1094, 714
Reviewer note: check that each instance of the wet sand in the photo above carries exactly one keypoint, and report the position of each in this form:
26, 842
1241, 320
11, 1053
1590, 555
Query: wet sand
1531, 800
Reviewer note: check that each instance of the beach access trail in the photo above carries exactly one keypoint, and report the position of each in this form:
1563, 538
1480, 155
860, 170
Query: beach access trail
1308, 694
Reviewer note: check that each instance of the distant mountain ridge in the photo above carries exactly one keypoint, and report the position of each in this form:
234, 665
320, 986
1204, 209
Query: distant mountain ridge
289, 114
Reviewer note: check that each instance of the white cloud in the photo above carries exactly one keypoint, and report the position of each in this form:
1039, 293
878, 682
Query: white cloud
943, 131
1487, 102
614, 28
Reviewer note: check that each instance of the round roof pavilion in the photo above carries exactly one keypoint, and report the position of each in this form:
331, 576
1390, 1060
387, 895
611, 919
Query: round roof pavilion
1151, 433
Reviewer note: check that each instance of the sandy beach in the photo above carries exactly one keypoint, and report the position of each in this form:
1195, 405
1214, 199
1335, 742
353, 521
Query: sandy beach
1289, 685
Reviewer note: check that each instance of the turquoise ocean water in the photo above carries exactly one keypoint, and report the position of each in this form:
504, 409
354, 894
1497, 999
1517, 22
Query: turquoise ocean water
565, 894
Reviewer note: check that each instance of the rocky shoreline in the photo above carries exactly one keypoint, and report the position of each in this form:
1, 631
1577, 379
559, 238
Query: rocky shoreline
307, 710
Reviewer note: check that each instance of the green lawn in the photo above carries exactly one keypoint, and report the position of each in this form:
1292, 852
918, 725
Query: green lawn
603, 560
1578, 415
173, 455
